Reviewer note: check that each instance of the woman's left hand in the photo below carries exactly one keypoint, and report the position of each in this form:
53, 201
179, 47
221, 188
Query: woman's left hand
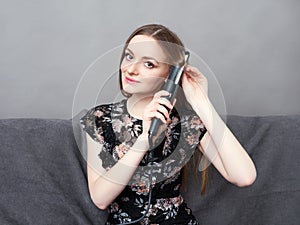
195, 85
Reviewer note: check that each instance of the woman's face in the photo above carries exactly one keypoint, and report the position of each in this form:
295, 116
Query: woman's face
144, 67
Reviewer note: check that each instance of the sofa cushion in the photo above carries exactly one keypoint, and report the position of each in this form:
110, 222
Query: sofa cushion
43, 175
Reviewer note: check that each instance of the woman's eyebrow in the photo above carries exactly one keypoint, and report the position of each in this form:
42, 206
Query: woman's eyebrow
150, 58
144, 57
127, 49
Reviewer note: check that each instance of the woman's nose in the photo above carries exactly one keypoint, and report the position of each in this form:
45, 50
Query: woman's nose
132, 68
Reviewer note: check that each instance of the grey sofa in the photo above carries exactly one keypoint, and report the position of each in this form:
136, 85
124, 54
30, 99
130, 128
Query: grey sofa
43, 175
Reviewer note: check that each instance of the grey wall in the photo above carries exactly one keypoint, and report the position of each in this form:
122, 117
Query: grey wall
252, 47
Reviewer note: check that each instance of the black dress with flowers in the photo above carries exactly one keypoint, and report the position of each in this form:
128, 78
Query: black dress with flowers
112, 126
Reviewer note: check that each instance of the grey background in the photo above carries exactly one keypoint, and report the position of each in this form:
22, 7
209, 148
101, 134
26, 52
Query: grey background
46, 46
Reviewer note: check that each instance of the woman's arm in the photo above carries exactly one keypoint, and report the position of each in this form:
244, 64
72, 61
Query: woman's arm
219, 144
105, 186
226, 153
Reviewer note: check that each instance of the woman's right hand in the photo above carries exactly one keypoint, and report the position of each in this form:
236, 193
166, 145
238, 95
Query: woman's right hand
156, 108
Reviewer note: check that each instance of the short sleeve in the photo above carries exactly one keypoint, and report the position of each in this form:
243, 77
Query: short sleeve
97, 124
193, 129
183, 134
89, 124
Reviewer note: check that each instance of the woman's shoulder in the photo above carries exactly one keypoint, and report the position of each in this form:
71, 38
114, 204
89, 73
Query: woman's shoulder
105, 109
185, 114
190, 123
99, 113
98, 118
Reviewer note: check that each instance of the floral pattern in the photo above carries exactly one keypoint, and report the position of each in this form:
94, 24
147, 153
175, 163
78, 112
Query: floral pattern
112, 126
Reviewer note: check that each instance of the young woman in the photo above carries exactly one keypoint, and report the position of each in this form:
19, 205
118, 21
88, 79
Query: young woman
119, 175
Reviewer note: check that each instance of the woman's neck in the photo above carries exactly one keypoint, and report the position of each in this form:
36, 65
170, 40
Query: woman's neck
136, 105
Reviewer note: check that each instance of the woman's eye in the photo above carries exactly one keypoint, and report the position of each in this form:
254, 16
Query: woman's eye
149, 64
128, 56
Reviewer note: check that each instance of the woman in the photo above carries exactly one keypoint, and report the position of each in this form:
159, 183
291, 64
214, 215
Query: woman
118, 158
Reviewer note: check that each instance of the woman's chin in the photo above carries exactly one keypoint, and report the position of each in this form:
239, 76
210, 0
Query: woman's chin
140, 90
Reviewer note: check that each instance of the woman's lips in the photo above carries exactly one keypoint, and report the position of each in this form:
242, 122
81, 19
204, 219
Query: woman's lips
130, 80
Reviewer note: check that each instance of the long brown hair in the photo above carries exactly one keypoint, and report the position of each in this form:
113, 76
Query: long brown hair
176, 55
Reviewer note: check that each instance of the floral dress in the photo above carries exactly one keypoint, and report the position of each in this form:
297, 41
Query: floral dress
112, 126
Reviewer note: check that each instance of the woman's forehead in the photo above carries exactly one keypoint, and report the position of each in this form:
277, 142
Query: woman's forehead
145, 46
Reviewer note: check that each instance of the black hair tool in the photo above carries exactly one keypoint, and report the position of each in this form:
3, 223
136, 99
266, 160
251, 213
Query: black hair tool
170, 86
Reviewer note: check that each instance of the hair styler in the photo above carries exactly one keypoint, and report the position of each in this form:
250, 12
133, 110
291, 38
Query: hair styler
170, 86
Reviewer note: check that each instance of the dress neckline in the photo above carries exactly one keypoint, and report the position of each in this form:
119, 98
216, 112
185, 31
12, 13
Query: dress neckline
124, 101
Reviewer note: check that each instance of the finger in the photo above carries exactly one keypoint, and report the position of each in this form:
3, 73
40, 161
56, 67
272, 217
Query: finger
160, 116
157, 107
161, 93
162, 109
156, 114
186, 79
193, 71
165, 102
174, 101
